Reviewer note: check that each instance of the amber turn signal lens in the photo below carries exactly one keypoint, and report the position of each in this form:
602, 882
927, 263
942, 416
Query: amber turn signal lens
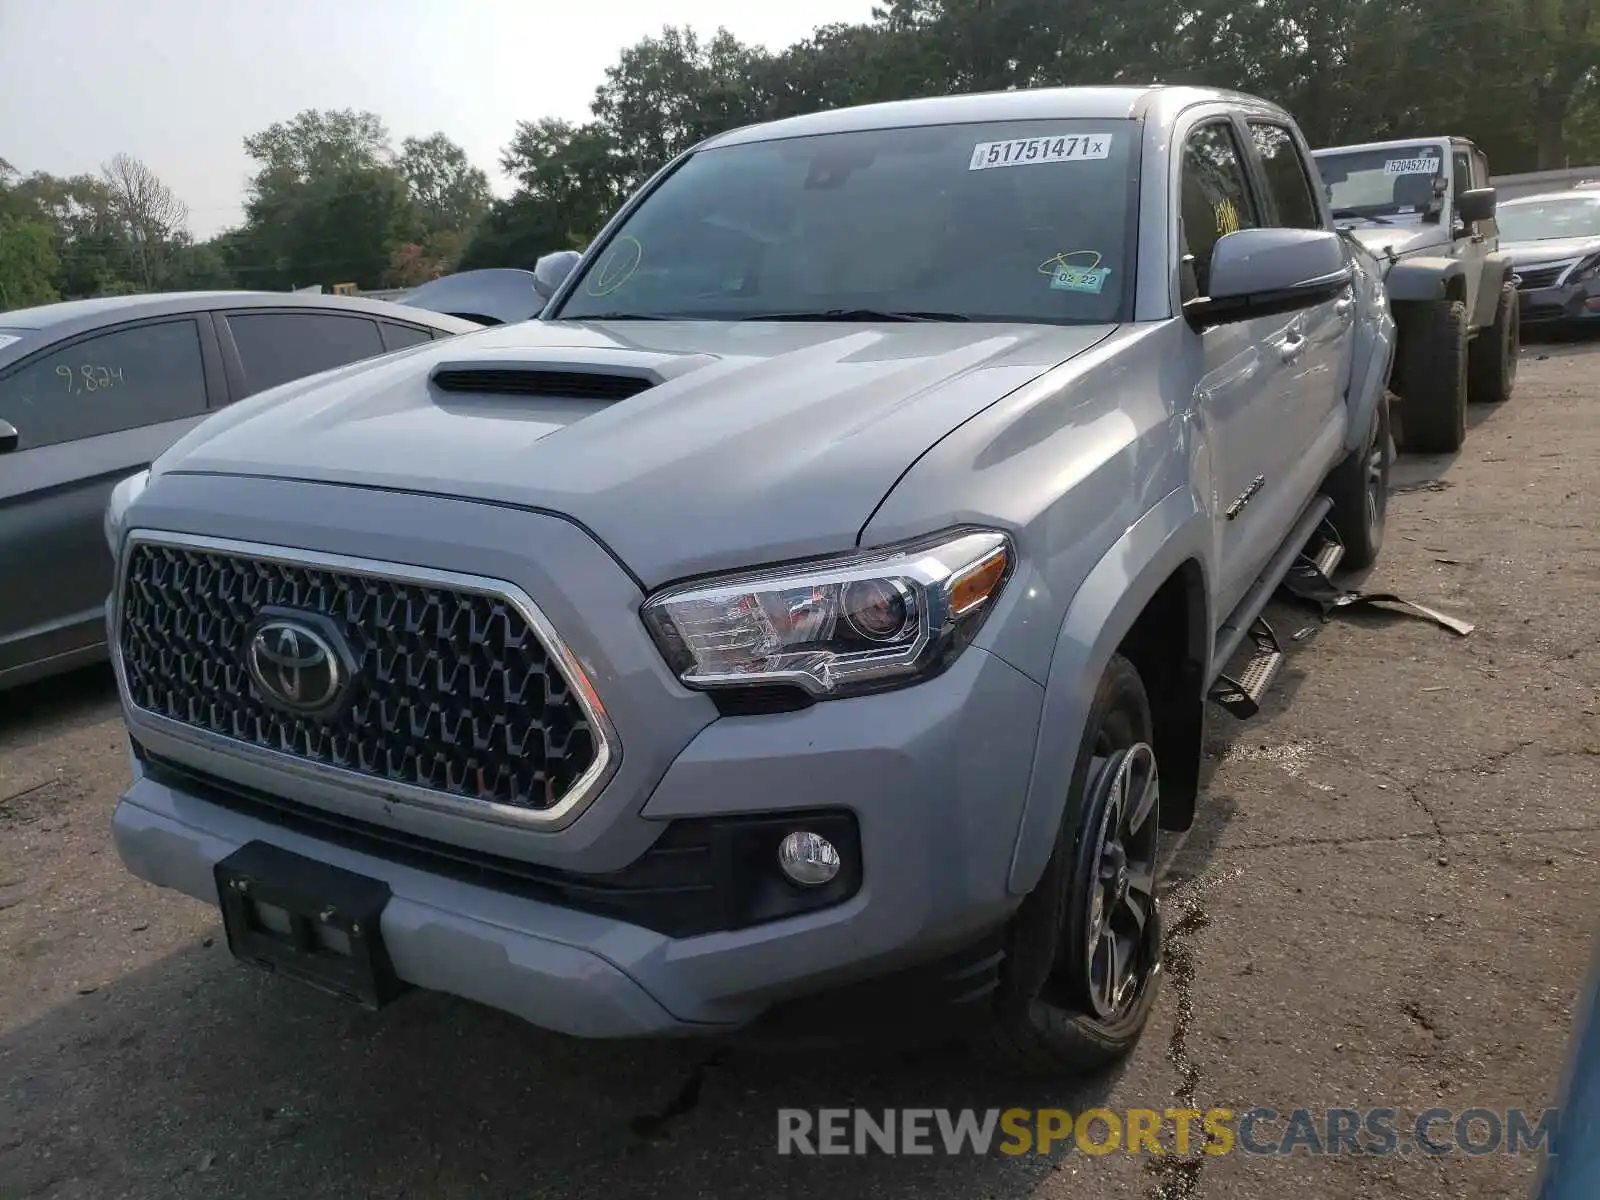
978, 582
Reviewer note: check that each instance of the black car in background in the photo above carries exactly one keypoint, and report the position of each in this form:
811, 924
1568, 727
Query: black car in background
92, 391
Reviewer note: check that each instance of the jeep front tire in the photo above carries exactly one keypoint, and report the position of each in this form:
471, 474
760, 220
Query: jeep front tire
1433, 376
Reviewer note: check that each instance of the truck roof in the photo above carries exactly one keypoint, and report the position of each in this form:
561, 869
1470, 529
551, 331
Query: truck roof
1158, 104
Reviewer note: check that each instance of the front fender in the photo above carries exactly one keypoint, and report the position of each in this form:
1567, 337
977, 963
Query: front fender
1421, 278
1496, 273
1102, 612
1374, 363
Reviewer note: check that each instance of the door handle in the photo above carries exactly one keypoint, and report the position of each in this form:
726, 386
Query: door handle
1343, 305
1292, 347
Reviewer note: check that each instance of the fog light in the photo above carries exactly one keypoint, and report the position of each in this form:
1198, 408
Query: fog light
809, 859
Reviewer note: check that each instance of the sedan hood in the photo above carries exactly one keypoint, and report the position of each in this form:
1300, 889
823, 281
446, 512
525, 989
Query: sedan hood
1551, 250
761, 442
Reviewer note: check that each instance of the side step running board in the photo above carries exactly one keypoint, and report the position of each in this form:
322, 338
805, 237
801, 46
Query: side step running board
1232, 634
1242, 696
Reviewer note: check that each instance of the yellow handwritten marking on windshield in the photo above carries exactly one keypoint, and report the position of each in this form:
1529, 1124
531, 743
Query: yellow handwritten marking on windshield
1227, 217
617, 267
1059, 263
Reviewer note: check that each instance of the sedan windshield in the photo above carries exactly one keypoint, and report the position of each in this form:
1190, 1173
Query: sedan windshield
1021, 221
1542, 220
1396, 181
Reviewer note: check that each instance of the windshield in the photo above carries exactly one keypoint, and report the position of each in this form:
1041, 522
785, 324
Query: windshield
1541, 220
1020, 221
1396, 181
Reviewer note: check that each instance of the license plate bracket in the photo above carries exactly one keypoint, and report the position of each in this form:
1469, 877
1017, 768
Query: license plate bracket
308, 920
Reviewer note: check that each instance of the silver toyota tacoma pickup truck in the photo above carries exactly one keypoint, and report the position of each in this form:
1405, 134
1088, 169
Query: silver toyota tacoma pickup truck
814, 611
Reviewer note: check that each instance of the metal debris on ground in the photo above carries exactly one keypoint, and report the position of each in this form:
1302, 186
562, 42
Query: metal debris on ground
1307, 584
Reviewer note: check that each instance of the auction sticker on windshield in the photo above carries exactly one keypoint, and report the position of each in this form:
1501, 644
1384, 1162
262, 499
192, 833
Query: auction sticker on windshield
1030, 152
1411, 166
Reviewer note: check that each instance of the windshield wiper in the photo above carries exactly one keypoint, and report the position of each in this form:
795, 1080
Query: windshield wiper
1352, 214
857, 314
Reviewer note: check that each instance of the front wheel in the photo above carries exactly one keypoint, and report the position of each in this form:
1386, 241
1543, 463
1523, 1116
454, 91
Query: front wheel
1433, 376
1083, 957
1359, 489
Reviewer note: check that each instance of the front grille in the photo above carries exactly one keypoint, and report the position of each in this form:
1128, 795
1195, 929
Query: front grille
1529, 278
451, 692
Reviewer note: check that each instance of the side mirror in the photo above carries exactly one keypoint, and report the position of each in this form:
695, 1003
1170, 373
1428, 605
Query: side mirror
1261, 272
1477, 205
9, 437
552, 270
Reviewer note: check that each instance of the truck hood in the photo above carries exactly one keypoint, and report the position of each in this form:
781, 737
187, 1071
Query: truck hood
1551, 250
761, 442
1397, 240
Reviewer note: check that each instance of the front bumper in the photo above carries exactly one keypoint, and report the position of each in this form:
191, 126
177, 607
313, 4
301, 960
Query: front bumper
1572, 303
935, 776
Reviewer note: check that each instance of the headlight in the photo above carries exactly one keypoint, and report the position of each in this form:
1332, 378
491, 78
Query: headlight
124, 494
1588, 269
855, 624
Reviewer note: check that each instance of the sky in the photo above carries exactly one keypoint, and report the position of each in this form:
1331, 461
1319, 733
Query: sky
180, 83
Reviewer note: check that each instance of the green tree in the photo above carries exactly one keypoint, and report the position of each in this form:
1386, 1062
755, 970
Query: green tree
449, 192
28, 263
328, 203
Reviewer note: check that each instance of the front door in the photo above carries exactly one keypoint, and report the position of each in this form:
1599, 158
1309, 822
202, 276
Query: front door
1241, 367
1468, 242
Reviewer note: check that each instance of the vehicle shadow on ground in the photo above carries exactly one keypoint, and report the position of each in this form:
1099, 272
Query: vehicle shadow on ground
52, 706
226, 1082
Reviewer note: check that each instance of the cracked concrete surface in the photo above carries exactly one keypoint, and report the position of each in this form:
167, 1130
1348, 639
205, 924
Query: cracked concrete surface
1388, 901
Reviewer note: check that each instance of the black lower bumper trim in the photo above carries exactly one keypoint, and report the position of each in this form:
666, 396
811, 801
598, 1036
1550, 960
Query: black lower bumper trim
702, 875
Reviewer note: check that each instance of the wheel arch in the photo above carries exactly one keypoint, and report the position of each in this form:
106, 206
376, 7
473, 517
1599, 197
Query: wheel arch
1425, 279
1149, 594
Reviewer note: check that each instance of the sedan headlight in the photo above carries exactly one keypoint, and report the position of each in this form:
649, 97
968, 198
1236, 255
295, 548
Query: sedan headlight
124, 494
1588, 269
862, 623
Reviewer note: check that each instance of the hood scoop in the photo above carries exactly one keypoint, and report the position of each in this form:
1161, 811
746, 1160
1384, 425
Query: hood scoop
567, 382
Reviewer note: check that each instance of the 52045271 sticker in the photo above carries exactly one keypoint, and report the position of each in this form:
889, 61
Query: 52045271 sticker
1033, 152
1411, 166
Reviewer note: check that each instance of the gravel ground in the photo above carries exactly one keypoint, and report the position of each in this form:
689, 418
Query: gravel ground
1389, 900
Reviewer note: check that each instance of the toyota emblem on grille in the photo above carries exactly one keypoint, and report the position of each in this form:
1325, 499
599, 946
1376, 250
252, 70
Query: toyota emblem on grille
294, 666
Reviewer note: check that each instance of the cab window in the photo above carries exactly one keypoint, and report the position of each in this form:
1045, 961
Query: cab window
1215, 201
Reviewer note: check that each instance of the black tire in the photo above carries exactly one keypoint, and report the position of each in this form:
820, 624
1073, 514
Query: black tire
1433, 376
1359, 489
1492, 357
1050, 1015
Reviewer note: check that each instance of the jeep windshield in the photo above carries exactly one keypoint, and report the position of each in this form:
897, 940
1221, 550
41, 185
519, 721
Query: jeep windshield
1544, 220
1018, 221
1378, 183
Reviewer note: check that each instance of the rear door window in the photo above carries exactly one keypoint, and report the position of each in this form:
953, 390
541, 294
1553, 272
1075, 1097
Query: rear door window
276, 348
105, 383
